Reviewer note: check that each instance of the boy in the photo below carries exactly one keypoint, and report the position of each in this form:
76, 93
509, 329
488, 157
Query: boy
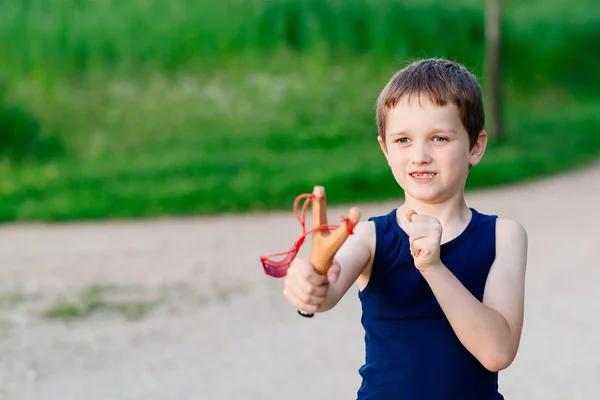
441, 285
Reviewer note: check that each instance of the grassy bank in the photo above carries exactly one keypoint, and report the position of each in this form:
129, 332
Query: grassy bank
193, 108
74, 36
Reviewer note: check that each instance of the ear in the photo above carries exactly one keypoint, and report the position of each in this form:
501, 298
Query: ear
383, 147
479, 148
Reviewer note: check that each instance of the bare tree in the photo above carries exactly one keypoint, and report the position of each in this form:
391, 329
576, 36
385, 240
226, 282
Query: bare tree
493, 21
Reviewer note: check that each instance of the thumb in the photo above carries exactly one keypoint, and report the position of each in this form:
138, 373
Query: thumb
409, 215
333, 273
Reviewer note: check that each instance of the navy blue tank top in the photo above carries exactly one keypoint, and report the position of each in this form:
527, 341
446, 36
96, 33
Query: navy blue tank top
411, 350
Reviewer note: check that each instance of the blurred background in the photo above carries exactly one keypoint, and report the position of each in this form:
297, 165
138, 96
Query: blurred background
114, 109
118, 109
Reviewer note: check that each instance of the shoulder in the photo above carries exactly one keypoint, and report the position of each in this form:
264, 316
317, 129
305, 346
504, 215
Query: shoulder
507, 232
360, 241
505, 286
364, 233
510, 234
508, 268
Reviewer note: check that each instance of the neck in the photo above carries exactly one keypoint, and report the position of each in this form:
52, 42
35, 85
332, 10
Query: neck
452, 211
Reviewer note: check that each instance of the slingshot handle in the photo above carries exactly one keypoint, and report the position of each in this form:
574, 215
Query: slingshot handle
325, 244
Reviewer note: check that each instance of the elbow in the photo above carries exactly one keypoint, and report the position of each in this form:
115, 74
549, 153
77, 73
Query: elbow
496, 365
326, 306
498, 361
324, 309
330, 302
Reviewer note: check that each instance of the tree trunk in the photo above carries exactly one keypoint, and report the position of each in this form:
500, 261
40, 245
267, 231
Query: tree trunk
493, 72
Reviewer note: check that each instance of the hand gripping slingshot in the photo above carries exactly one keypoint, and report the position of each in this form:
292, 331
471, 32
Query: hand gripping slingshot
324, 243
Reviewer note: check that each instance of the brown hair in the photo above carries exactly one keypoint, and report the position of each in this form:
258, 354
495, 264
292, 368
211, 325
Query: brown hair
444, 82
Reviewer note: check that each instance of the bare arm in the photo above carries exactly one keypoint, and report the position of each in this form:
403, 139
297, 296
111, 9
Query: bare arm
490, 330
312, 292
354, 259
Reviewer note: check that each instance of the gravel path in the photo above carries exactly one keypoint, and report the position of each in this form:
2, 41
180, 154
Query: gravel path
161, 313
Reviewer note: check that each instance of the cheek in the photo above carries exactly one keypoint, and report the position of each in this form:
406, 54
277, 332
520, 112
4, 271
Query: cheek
455, 161
395, 156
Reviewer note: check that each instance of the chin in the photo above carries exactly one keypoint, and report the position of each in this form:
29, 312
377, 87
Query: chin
429, 194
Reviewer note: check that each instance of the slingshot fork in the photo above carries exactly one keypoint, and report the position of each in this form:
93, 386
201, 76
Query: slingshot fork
325, 244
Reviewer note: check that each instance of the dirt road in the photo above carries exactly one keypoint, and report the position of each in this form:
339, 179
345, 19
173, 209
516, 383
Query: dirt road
180, 309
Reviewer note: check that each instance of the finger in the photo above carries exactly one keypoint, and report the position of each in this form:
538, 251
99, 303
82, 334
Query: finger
417, 231
413, 217
410, 215
303, 294
303, 269
319, 207
306, 298
302, 288
308, 273
415, 247
422, 229
419, 228
333, 273
423, 218
414, 251
299, 304
422, 247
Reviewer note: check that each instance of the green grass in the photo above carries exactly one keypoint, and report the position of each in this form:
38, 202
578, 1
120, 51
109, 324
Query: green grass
81, 35
92, 300
157, 108
269, 148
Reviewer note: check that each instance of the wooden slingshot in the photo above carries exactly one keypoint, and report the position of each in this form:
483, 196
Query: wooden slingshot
324, 243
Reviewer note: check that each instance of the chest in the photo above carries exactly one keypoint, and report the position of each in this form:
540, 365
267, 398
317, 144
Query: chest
402, 288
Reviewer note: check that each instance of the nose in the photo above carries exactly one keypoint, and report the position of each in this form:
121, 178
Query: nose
420, 154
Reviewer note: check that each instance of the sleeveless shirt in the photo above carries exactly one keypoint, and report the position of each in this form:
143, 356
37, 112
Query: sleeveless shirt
411, 351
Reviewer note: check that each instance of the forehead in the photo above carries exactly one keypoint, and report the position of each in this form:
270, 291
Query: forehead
419, 114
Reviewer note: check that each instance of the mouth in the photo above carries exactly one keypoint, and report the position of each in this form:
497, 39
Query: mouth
423, 175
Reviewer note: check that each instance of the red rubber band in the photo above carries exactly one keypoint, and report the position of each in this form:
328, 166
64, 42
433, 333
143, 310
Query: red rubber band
278, 269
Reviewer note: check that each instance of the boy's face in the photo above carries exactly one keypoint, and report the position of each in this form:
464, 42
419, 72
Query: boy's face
427, 148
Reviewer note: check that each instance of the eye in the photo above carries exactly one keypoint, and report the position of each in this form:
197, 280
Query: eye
401, 140
440, 139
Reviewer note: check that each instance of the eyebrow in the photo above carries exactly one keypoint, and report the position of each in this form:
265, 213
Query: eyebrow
436, 130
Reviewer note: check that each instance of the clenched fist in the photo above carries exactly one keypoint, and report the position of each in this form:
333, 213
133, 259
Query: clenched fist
305, 288
425, 235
